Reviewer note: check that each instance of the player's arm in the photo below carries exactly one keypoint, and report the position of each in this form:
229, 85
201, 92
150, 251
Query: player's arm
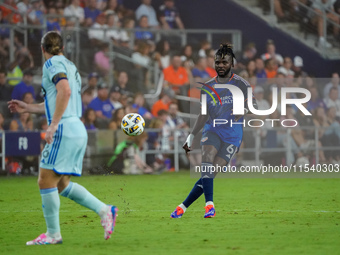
63, 96
21, 107
246, 108
199, 124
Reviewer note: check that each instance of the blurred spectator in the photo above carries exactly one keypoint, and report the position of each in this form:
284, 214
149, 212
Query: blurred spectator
127, 157
92, 82
175, 76
113, 33
102, 60
24, 86
139, 103
52, 22
73, 12
271, 53
162, 104
97, 33
28, 98
262, 103
205, 46
169, 16
297, 67
90, 119
101, 104
146, 9
36, 13
333, 100
143, 23
125, 36
211, 64
199, 71
286, 68
9, 15
174, 121
2, 121
4, 31
335, 82
321, 6
329, 131
162, 54
22, 123
251, 68
270, 68
315, 101
116, 119
141, 62
248, 54
23, 7
86, 98
122, 80
260, 71
91, 13
187, 55
5, 89
115, 94
23, 61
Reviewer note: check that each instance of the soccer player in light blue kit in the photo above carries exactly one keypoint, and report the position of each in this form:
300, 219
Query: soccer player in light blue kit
66, 139
219, 142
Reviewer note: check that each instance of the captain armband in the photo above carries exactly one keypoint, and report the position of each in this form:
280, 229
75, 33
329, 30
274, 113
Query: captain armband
58, 77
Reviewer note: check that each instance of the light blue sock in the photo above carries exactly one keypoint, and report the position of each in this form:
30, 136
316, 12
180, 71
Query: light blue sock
51, 204
81, 196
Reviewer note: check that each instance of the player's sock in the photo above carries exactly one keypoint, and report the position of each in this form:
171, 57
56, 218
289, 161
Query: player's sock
83, 197
183, 207
207, 181
51, 204
209, 203
195, 193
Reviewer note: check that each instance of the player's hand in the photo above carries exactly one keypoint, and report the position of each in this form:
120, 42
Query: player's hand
188, 143
16, 106
50, 132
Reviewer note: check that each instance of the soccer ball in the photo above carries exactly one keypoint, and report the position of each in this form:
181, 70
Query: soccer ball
133, 124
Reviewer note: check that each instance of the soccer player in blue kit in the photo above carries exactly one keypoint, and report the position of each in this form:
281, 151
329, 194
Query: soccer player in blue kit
66, 139
219, 143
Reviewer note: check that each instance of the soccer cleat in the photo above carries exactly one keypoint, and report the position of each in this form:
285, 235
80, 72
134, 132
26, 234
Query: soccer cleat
209, 211
178, 213
109, 222
43, 239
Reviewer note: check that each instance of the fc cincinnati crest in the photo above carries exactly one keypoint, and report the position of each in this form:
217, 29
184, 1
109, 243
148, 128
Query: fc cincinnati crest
204, 139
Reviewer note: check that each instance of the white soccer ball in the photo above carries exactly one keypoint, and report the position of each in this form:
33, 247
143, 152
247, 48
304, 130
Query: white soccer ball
133, 124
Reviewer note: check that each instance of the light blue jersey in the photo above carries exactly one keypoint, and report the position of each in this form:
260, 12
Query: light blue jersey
66, 153
54, 68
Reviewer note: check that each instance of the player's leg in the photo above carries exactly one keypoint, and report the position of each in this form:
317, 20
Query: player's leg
210, 143
47, 182
82, 196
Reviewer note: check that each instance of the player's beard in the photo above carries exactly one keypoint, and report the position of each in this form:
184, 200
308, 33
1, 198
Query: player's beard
224, 74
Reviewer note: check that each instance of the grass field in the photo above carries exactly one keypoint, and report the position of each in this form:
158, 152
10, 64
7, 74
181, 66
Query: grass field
254, 216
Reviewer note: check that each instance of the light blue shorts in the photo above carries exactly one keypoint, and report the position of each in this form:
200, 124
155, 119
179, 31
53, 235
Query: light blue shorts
66, 153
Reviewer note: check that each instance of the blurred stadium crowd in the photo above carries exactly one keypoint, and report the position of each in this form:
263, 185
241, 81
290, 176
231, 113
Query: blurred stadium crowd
104, 104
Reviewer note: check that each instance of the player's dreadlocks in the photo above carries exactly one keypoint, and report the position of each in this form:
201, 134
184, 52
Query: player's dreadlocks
225, 49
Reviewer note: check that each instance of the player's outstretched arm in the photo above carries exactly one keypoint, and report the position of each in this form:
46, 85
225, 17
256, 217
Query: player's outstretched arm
17, 106
199, 124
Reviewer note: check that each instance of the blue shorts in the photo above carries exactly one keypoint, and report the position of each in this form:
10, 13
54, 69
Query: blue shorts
224, 150
66, 153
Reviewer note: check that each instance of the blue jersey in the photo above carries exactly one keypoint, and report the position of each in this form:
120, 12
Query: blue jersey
55, 68
228, 133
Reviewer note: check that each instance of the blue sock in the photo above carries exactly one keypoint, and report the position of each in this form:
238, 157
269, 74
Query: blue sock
50, 205
195, 193
207, 182
80, 195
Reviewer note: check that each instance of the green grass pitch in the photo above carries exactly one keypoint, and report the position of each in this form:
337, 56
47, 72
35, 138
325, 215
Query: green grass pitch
254, 216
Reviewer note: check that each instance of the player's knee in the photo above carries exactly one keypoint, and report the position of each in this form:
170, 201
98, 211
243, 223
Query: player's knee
208, 156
